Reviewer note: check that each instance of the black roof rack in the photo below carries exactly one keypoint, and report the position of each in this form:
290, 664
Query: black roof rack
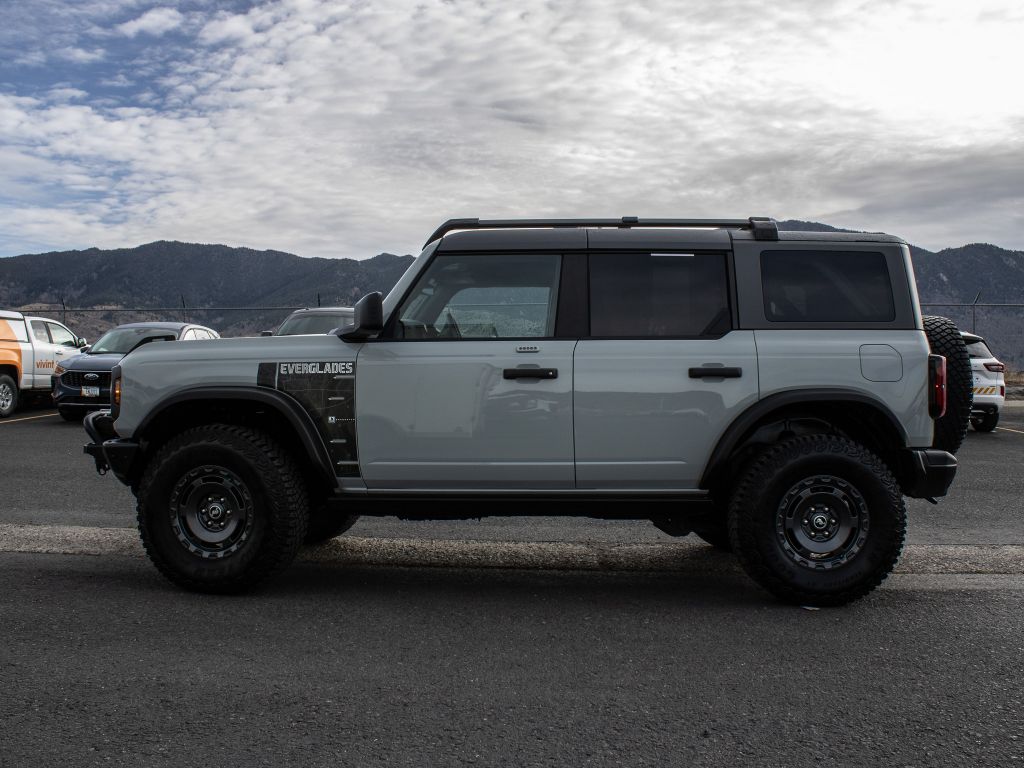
763, 227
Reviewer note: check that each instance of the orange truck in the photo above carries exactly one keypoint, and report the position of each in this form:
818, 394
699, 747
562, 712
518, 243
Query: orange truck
30, 348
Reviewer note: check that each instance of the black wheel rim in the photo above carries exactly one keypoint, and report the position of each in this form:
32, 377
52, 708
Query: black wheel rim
211, 512
822, 522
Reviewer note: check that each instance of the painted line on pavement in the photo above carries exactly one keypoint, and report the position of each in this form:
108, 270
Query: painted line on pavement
684, 555
28, 418
1007, 429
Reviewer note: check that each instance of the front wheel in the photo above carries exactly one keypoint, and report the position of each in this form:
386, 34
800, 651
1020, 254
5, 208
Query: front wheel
985, 423
818, 520
221, 507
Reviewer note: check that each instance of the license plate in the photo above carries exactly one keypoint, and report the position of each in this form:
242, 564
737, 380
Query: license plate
90, 391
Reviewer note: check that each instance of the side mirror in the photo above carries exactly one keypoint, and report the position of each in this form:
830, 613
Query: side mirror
266, 333
369, 319
81, 343
86, 348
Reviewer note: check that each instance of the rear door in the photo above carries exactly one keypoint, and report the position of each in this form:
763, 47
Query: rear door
662, 373
470, 388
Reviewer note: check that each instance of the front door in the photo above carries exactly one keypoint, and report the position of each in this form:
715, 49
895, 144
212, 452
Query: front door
662, 373
469, 388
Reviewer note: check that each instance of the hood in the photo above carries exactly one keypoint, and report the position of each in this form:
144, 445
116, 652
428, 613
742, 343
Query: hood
102, 362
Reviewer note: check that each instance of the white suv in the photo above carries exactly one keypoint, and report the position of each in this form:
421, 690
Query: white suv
988, 384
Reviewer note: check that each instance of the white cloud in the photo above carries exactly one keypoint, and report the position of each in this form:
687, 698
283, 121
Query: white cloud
81, 55
157, 21
345, 130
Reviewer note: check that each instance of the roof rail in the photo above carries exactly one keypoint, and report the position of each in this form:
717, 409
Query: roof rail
762, 227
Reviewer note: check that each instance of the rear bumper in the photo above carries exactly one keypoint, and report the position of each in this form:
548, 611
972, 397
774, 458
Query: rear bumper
929, 473
110, 452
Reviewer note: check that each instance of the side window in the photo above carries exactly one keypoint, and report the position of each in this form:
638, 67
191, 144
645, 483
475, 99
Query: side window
39, 332
61, 335
651, 295
826, 287
471, 296
189, 335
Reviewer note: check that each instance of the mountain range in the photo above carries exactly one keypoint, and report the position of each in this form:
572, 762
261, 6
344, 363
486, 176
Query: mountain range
166, 275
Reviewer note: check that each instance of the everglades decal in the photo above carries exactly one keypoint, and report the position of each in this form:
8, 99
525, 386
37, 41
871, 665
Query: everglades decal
313, 369
326, 391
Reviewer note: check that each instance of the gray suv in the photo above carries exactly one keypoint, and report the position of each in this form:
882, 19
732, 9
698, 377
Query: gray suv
773, 392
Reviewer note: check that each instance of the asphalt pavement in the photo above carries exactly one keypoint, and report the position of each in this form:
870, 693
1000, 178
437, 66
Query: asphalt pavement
102, 664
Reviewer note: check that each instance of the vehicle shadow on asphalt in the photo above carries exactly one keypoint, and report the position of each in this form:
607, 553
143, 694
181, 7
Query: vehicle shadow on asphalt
721, 583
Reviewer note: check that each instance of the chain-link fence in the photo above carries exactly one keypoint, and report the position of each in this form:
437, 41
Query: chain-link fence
1002, 325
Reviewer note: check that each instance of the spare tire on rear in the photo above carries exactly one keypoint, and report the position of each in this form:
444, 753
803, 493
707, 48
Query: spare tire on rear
944, 339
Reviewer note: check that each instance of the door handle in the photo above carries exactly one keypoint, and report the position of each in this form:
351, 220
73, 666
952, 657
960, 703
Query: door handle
712, 372
530, 373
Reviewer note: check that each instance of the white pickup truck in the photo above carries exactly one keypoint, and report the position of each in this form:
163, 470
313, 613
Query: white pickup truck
30, 348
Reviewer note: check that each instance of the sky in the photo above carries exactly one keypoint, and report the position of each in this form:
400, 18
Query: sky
347, 129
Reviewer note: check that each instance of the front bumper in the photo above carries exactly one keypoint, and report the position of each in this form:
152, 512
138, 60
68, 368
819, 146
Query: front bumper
70, 397
928, 473
110, 452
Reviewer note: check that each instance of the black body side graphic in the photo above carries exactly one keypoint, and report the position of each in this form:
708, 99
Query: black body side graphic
327, 392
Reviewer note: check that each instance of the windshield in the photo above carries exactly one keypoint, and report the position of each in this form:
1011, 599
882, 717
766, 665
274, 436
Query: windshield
121, 341
318, 323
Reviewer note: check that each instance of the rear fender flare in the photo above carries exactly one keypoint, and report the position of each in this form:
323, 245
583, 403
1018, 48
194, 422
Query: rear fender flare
744, 424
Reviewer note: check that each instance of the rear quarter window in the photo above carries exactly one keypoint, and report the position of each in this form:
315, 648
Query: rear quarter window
825, 286
978, 350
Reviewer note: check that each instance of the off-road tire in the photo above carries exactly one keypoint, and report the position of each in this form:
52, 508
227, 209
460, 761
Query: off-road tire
256, 473
8, 396
325, 524
944, 339
758, 519
71, 415
985, 423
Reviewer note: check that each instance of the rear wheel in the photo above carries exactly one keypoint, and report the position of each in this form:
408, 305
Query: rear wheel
986, 422
8, 396
818, 520
944, 339
220, 508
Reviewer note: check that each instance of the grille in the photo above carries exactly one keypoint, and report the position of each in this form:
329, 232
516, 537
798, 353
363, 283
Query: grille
77, 379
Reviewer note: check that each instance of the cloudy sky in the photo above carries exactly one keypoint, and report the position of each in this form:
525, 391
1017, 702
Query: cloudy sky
329, 128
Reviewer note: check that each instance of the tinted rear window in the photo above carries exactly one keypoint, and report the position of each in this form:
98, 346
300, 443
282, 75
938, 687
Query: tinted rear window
826, 287
978, 350
658, 294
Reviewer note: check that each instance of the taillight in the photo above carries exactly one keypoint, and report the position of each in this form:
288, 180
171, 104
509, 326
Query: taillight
1002, 391
936, 386
995, 367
